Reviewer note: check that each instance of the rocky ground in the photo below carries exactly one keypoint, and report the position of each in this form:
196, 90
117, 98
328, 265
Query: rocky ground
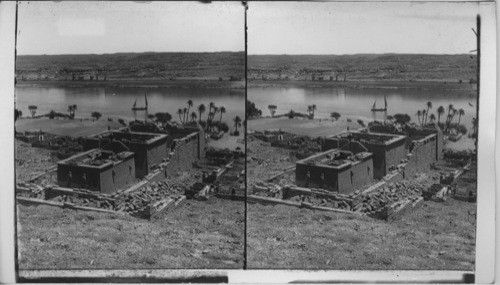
197, 234
30, 162
200, 234
434, 236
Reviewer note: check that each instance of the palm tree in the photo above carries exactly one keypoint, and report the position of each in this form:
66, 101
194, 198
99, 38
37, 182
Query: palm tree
313, 108
193, 116
429, 106
185, 114
190, 104
474, 126
32, 109
449, 117
179, 112
222, 110
461, 112
424, 114
272, 109
440, 112
201, 109
210, 107
419, 113
432, 118
71, 110
237, 122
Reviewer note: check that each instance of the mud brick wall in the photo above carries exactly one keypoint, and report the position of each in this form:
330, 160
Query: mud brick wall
386, 156
423, 153
91, 143
185, 152
92, 181
147, 155
361, 174
117, 177
394, 154
332, 143
417, 134
317, 173
343, 180
104, 180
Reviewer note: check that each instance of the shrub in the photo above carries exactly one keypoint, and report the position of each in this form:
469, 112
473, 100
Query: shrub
96, 115
224, 127
122, 122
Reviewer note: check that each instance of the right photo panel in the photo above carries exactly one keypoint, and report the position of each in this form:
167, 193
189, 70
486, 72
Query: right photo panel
361, 135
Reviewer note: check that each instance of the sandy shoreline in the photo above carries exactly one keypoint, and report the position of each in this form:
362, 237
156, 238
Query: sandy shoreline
137, 83
365, 84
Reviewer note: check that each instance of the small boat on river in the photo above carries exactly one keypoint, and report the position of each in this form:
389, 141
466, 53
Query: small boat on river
375, 109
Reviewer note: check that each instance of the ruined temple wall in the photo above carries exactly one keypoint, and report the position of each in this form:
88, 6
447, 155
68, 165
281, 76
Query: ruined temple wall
185, 152
343, 180
362, 174
316, 173
423, 153
394, 153
124, 175
91, 182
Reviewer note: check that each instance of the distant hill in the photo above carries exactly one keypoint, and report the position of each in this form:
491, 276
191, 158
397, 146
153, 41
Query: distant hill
131, 65
401, 67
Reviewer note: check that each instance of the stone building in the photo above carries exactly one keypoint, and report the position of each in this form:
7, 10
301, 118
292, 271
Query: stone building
150, 149
97, 170
388, 149
335, 170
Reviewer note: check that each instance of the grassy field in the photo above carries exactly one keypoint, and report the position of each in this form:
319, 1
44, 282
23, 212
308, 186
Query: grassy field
306, 127
437, 236
65, 127
206, 234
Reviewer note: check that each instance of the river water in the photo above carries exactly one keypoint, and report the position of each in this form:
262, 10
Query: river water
357, 103
117, 102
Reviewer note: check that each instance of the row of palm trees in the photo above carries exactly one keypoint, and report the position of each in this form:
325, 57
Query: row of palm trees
211, 121
424, 118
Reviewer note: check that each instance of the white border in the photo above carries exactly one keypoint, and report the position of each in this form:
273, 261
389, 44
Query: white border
7, 36
485, 242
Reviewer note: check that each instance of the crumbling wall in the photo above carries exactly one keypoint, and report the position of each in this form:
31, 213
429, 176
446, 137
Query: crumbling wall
317, 176
342, 180
333, 143
360, 174
185, 152
422, 154
119, 176
75, 176
394, 153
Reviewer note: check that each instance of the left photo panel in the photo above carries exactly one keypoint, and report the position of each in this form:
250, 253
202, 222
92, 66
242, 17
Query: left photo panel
129, 135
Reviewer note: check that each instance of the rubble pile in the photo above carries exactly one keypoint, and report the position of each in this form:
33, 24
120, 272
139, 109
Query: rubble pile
265, 189
370, 203
397, 209
137, 202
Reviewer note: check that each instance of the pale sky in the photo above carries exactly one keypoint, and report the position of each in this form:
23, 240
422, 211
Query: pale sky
361, 27
111, 27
